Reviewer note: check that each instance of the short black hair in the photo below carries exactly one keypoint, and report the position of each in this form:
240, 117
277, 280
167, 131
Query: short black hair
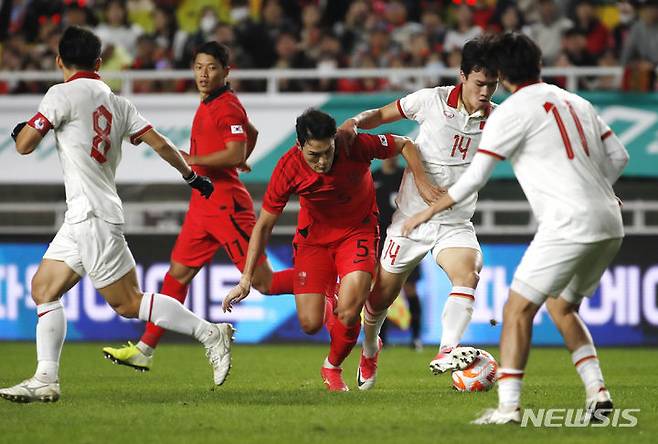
476, 56
517, 57
79, 48
314, 124
218, 50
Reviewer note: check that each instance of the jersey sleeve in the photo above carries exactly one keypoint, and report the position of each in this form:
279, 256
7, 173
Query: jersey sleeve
367, 147
136, 124
413, 105
54, 110
279, 189
232, 125
502, 135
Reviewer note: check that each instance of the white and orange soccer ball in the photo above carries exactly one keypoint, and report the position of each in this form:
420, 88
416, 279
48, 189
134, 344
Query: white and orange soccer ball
480, 376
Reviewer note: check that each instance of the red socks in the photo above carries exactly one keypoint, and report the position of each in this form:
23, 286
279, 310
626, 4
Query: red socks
343, 339
282, 282
170, 287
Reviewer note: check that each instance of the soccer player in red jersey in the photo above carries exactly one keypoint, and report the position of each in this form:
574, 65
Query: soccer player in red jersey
222, 139
337, 231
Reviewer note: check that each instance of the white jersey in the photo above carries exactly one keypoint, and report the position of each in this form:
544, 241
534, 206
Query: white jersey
448, 139
554, 141
90, 123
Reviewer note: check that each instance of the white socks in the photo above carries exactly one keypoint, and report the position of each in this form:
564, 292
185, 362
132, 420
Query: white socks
510, 381
587, 365
166, 312
456, 316
51, 331
146, 349
372, 324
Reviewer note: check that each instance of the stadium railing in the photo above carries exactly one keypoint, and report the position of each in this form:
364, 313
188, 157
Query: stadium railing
492, 217
420, 77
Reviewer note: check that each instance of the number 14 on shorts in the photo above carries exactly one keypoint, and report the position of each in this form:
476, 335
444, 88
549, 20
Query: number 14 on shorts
391, 252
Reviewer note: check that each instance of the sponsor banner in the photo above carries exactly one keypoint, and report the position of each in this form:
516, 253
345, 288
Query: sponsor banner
623, 311
633, 117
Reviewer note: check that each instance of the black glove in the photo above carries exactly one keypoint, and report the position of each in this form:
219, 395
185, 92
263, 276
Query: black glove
201, 183
17, 129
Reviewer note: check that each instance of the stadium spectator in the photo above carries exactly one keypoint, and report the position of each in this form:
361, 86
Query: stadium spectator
353, 30
401, 28
640, 53
548, 31
116, 30
207, 21
434, 28
465, 30
290, 57
586, 21
507, 19
168, 36
78, 13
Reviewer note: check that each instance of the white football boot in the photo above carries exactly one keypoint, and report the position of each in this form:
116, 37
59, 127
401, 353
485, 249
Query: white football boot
600, 402
501, 415
449, 358
219, 353
32, 390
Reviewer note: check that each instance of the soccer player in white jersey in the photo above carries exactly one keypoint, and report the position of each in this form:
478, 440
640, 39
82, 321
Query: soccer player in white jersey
90, 123
566, 159
451, 120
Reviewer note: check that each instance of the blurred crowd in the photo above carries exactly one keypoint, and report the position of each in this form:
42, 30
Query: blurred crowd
327, 34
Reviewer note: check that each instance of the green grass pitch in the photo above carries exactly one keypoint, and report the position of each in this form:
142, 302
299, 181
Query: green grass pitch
275, 394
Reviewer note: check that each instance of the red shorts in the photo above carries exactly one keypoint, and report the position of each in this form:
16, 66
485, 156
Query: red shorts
318, 266
201, 236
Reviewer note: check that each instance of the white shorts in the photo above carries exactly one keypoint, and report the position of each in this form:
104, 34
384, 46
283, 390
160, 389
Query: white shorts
401, 254
552, 266
93, 246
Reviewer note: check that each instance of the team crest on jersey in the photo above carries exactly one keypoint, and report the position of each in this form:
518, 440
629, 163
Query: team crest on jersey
383, 140
448, 114
237, 129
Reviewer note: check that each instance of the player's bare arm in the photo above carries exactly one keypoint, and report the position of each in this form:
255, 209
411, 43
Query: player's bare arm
368, 119
259, 238
233, 156
411, 154
475, 177
166, 150
27, 138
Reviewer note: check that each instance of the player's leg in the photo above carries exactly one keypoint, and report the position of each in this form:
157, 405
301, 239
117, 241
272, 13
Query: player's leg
194, 247
577, 338
111, 268
60, 269
52, 279
233, 234
457, 252
400, 255
545, 269
125, 297
415, 310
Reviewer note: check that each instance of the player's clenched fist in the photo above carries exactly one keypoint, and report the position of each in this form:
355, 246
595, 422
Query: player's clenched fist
201, 183
237, 293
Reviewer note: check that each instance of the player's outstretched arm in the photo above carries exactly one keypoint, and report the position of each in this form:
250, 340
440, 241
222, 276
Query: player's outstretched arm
429, 192
259, 238
27, 138
166, 150
474, 178
369, 119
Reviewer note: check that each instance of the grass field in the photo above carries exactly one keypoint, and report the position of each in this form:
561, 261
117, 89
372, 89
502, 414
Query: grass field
275, 394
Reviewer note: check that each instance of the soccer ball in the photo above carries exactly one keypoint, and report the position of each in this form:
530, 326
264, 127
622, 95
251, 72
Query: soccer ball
480, 376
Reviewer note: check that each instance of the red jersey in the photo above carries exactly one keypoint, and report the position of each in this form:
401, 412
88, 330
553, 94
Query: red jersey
220, 119
334, 203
